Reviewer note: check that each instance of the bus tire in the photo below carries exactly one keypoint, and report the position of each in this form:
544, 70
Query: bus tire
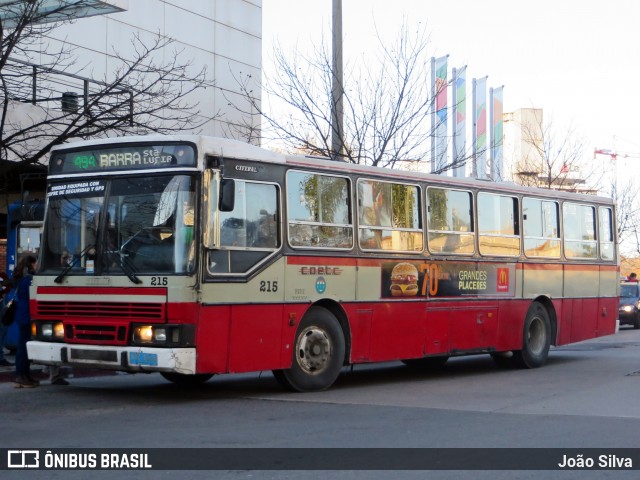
186, 380
536, 338
318, 353
426, 363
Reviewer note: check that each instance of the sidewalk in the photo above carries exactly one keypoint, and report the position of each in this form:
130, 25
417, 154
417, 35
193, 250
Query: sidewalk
8, 374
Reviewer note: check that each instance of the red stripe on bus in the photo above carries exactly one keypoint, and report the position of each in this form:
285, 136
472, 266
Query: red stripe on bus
343, 261
583, 268
610, 268
101, 291
540, 266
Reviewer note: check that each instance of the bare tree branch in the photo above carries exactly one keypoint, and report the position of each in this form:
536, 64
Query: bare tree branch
387, 103
150, 89
555, 159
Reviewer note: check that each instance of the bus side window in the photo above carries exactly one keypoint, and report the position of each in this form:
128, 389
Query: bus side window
390, 216
450, 221
541, 222
498, 226
607, 246
318, 211
579, 230
249, 233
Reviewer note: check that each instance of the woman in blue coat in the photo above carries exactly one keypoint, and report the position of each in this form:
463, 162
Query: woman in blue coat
22, 276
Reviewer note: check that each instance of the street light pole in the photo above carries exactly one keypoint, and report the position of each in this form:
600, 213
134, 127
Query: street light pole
337, 112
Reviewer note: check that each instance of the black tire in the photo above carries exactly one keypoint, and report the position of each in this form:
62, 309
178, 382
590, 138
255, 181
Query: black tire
636, 323
536, 338
426, 363
318, 353
186, 380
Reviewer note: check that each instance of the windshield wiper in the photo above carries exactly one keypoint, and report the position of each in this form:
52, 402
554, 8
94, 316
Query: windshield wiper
125, 267
73, 263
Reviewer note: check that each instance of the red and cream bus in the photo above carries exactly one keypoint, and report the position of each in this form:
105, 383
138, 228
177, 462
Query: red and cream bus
193, 256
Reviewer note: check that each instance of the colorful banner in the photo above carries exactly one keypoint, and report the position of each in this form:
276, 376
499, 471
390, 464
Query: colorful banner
496, 121
480, 127
440, 91
459, 109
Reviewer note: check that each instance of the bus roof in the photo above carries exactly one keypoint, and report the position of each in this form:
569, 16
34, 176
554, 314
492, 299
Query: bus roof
237, 149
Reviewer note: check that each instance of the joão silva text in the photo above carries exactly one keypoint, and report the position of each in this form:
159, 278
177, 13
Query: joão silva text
604, 461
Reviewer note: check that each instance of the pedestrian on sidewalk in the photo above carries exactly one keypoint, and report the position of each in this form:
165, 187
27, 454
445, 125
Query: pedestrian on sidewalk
4, 329
3, 334
22, 277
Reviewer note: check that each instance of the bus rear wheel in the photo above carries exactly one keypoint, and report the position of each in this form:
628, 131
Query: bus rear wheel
186, 380
536, 338
318, 355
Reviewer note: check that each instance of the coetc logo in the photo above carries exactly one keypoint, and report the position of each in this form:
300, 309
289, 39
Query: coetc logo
321, 285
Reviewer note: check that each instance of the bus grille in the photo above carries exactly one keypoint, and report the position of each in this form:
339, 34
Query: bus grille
98, 333
124, 310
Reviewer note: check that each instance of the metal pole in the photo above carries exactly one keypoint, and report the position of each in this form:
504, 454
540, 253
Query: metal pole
34, 91
474, 133
337, 112
433, 114
492, 143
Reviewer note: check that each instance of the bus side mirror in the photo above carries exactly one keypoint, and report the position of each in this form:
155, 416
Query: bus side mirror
227, 198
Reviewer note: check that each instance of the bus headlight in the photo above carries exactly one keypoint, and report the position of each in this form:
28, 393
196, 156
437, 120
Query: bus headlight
52, 330
167, 335
143, 334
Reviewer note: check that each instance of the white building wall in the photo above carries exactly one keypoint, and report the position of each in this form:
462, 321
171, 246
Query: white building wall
522, 142
225, 36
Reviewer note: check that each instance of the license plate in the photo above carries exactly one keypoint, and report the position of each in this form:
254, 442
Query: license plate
140, 358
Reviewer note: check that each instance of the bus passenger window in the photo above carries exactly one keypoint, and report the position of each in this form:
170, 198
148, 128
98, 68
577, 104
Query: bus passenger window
449, 222
498, 225
318, 211
541, 228
606, 233
390, 216
579, 231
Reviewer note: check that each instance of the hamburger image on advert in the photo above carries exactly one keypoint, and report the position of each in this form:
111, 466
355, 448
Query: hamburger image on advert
404, 280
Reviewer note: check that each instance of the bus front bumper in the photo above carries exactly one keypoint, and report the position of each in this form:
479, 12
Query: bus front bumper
128, 359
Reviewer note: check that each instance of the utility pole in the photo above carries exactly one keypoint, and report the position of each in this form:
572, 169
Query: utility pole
337, 91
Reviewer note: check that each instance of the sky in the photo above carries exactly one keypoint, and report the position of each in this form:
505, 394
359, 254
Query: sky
578, 60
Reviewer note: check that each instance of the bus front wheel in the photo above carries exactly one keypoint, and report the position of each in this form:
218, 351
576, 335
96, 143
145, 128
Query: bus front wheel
318, 354
186, 380
536, 338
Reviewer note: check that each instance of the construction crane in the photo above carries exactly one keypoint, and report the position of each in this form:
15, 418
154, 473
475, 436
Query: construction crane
614, 154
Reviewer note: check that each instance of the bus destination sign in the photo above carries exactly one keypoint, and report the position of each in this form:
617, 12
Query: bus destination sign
134, 157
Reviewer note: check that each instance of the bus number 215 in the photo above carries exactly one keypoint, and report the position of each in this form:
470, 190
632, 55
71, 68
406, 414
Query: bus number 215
269, 286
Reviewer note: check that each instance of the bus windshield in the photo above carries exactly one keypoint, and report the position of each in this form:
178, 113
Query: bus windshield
129, 225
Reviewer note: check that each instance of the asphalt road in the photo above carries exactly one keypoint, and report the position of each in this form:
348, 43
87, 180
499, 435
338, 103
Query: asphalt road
588, 396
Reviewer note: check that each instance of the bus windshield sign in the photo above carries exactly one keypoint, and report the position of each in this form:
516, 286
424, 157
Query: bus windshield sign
133, 157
